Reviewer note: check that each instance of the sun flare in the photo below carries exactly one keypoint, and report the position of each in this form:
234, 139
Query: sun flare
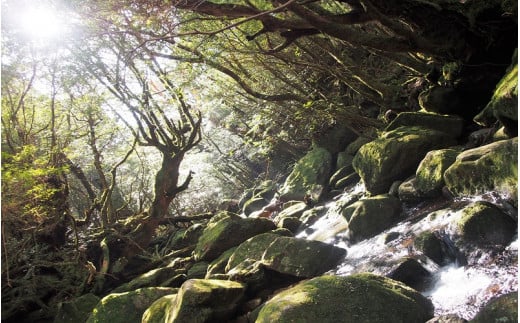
41, 23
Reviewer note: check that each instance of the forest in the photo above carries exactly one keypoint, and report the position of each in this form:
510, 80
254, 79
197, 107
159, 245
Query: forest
228, 160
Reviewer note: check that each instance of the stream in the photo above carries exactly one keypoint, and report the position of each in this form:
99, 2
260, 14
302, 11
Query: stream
461, 287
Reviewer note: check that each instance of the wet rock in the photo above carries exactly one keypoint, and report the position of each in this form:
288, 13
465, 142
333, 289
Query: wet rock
433, 247
310, 174
410, 272
198, 300
254, 204
341, 173
484, 223
347, 181
344, 160
310, 216
290, 223
156, 277
77, 309
408, 191
391, 236
395, 155
503, 309
492, 167
293, 211
127, 307
450, 318
287, 255
370, 216
364, 298
429, 175
452, 125
227, 230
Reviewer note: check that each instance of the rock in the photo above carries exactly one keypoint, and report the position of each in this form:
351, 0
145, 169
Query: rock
450, 318
198, 270
408, 191
290, 223
77, 309
485, 224
156, 277
340, 173
185, 237
127, 307
371, 216
310, 174
335, 139
503, 309
198, 300
433, 247
504, 104
442, 100
452, 125
218, 266
353, 148
429, 175
492, 167
310, 216
396, 155
293, 211
361, 298
254, 204
344, 160
346, 181
288, 255
410, 272
227, 230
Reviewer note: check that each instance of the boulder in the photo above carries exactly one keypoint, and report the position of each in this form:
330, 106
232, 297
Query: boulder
156, 277
309, 175
218, 266
293, 211
354, 146
434, 247
504, 104
344, 160
290, 223
407, 191
503, 309
361, 298
429, 178
410, 272
335, 139
371, 216
228, 230
452, 125
492, 167
185, 237
198, 270
198, 300
288, 255
485, 224
127, 307
395, 156
444, 100
77, 309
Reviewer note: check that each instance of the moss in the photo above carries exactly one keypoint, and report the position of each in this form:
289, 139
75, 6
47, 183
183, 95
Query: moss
503, 309
429, 174
357, 298
160, 310
218, 265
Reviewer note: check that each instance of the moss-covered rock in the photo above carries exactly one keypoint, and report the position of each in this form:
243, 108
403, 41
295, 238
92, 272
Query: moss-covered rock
433, 247
396, 155
198, 270
449, 318
293, 211
503, 309
429, 175
127, 307
484, 223
362, 298
310, 174
492, 167
504, 103
344, 160
287, 255
226, 231
407, 191
370, 216
218, 266
335, 139
153, 278
290, 223
354, 146
410, 272
185, 237
198, 300
77, 309
340, 173
343, 182
253, 204
452, 125
445, 100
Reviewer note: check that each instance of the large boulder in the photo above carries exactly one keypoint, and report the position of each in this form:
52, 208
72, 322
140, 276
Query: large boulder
77, 309
156, 277
395, 155
485, 224
198, 300
503, 309
361, 298
228, 230
429, 178
127, 307
492, 167
452, 125
287, 255
504, 104
309, 175
371, 216
185, 237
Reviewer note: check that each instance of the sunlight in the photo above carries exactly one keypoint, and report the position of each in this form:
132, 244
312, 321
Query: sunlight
41, 23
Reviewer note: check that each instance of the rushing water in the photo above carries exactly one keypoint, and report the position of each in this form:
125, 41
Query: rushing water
461, 287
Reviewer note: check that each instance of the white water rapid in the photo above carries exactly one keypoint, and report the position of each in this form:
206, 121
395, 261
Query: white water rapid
461, 287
